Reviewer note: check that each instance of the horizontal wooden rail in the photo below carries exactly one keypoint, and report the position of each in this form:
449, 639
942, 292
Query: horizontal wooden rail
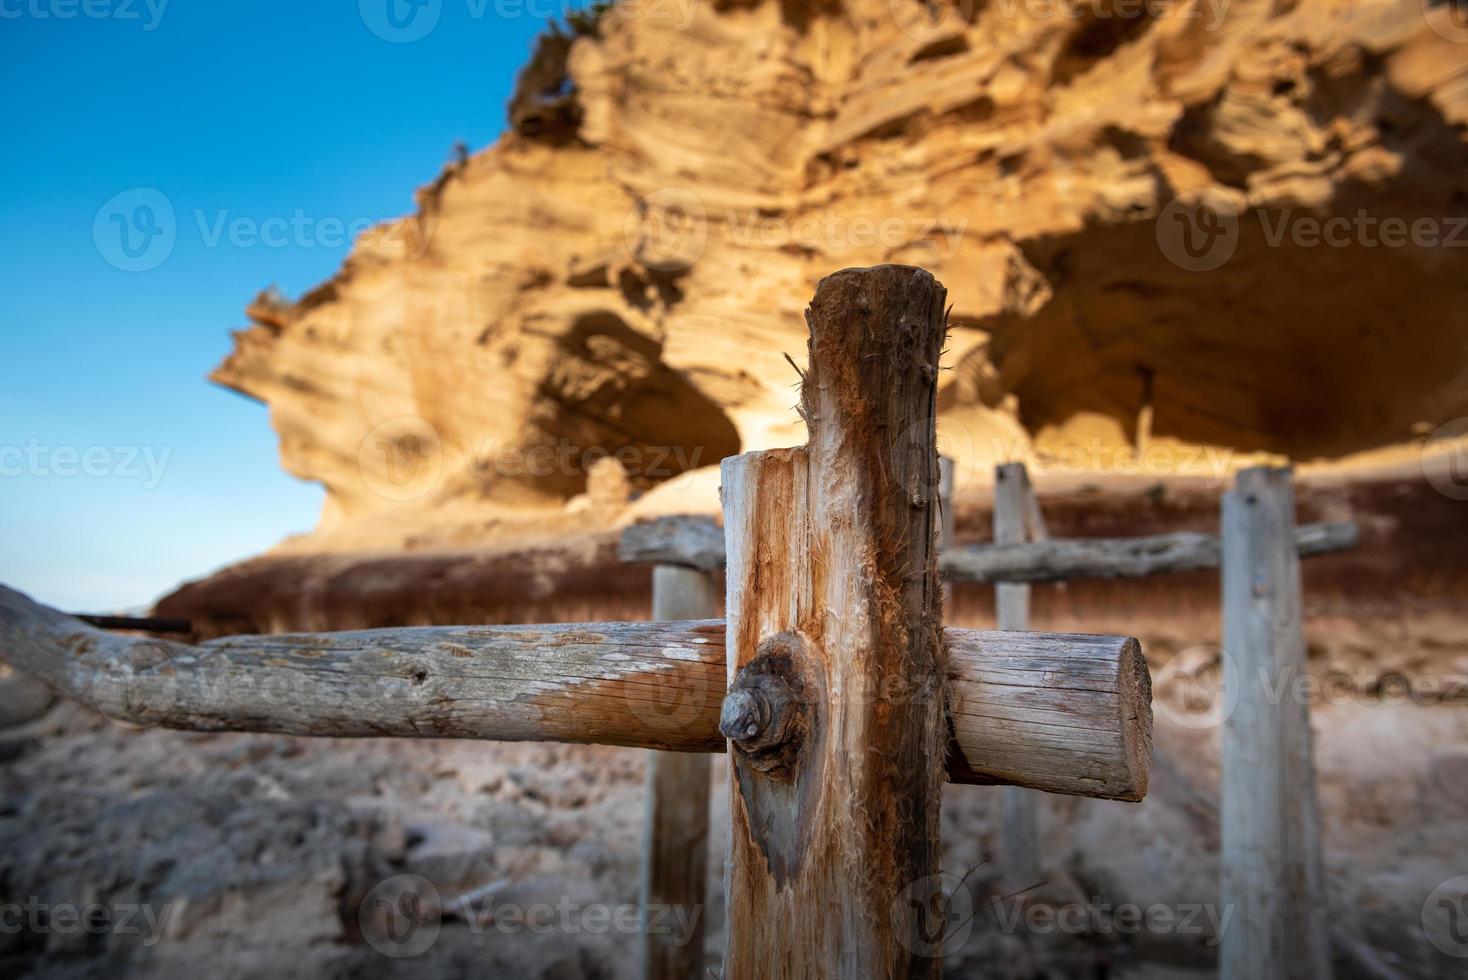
697, 542
681, 539
1066, 713
1068, 558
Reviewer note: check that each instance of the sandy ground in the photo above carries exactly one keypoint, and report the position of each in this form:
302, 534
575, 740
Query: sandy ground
147, 853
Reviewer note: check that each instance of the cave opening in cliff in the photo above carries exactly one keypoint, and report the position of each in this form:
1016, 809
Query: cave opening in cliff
1295, 345
608, 392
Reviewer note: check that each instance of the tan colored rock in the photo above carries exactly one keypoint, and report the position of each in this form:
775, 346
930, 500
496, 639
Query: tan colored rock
626, 270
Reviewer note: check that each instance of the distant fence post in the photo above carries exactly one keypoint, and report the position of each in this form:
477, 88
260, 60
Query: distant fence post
676, 813
1272, 877
947, 520
1020, 847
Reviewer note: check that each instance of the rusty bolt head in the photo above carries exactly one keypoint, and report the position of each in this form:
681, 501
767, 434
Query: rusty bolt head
744, 715
760, 716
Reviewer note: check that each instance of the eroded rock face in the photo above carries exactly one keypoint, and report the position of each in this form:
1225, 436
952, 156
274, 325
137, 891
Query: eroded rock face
627, 269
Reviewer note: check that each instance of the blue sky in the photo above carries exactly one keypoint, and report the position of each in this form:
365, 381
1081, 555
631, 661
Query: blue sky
122, 470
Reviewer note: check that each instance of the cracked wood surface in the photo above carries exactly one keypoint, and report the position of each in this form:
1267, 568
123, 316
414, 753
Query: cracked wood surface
832, 584
1022, 706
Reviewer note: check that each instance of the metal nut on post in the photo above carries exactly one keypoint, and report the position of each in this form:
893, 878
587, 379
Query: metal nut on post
744, 716
763, 714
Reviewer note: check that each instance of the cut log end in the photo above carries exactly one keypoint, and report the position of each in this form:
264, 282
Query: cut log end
1134, 702
1088, 735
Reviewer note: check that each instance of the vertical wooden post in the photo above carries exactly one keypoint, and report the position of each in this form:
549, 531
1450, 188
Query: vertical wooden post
1020, 857
836, 667
1271, 846
676, 814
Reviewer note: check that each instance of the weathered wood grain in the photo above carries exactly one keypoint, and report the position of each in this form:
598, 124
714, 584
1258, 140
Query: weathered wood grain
648, 685
1073, 717
1069, 558
675, 823
687, 540
1271, 845
833, 586
651, 685
698, 543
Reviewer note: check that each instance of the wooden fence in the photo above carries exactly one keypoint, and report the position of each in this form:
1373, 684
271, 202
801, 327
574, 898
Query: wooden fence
843, 702
1271, 852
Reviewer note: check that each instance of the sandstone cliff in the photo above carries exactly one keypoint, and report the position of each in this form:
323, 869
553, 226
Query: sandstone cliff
1176, 234
625, 270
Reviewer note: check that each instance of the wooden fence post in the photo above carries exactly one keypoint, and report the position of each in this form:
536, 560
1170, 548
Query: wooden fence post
1271, 845
1020, 845
836, 668
676, 814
